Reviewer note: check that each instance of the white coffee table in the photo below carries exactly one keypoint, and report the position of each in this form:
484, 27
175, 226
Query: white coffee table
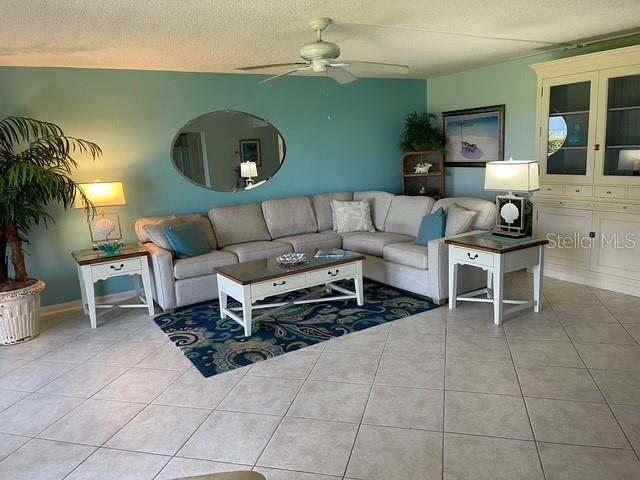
250, 282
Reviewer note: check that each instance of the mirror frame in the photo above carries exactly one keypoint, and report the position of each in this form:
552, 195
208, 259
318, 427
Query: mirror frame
237, 189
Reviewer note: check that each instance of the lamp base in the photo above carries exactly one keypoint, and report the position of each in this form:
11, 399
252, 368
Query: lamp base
502, 233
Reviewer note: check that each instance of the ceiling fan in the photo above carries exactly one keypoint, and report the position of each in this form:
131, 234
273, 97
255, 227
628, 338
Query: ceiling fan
322, 57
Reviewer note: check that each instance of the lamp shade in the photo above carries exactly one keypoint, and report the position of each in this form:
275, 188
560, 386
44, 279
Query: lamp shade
512, 176
102, 194
248, 169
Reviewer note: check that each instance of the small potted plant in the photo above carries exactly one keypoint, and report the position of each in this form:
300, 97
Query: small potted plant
36, 163
419, 134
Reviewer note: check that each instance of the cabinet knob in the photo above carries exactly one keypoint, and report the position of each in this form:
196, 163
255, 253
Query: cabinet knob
472, 257
333, 274
608, 192
276, 284
596, 147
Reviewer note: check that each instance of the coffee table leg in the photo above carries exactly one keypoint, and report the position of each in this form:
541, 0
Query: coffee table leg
246, 311
358, 284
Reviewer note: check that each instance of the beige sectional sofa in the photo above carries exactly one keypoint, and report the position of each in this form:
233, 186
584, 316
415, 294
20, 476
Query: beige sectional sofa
255, 231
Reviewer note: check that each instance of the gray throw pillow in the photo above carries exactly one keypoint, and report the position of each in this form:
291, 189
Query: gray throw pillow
459, 220
156, 231
352, 216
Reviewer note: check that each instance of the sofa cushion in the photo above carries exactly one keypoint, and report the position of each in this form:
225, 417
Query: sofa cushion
156, 231
406, 253
187, 240
289, 216
312, 241
240, 224
201, 220
380, 202
204, 225
202, 264
322, 208
487, 211
352, 216
258, 250
405, 214
459, 220
372, 243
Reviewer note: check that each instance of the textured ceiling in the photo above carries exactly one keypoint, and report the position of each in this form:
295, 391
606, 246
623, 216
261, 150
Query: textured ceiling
216, 36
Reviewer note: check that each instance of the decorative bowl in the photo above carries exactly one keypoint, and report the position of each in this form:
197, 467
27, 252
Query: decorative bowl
288, 259
110, 247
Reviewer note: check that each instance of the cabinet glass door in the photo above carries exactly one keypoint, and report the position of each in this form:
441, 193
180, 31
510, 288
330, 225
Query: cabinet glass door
620, 125
568, 128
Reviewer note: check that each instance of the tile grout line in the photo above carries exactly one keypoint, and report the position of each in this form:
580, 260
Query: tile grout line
526, 408
596, 383
304, 381
364, 410
444, 388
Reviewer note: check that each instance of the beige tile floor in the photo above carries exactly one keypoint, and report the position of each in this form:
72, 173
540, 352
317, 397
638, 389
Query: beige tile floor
437, 395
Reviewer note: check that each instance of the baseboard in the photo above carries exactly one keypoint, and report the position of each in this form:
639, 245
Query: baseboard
77, 304
593, 279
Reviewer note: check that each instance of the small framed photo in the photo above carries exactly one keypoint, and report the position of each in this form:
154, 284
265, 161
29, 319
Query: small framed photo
473, 136
250, 151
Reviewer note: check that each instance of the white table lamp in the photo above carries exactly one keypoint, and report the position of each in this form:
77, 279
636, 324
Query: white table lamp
248, 170
511, 176
103, 194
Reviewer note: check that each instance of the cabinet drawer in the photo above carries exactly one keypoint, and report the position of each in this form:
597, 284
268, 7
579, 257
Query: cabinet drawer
473, 257
331, 274
610, 192
633, 193
551, 189
104, 270
277, 285
579, 190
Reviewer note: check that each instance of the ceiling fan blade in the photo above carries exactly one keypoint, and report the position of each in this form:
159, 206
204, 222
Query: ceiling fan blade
380, 67
299, 69
273, 65
340, 75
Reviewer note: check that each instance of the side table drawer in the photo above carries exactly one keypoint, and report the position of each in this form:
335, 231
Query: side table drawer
277, 285
104, 270
331, 274
473, 257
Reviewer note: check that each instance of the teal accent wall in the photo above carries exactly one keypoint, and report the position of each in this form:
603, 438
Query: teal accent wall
133, 116
512, 84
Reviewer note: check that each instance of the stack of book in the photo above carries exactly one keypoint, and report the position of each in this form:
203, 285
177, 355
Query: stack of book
331, 253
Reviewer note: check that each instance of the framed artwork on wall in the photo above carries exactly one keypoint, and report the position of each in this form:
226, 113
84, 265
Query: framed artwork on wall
250, 151
473, 136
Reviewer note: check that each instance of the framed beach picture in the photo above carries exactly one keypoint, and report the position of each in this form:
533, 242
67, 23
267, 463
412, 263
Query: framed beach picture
473, 136
250, 151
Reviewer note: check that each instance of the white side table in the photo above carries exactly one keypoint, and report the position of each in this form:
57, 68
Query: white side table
131, 260
497, 255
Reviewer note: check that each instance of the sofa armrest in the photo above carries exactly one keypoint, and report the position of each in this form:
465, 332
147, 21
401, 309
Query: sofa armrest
438, 266
162, 271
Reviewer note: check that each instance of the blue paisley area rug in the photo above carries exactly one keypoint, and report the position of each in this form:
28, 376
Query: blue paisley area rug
215, 346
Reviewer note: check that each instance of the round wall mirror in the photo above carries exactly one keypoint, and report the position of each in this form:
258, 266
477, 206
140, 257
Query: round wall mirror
228, 151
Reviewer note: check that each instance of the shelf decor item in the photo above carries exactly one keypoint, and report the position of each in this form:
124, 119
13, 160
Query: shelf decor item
104, 229
511, 176
473, 136
423, 174
37, 160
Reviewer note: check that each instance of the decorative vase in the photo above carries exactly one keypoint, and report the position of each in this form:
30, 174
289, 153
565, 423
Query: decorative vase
577, 137
20, 314
419, 147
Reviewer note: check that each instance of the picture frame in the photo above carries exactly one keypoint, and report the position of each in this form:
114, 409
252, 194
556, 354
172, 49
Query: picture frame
473, 136
250, 151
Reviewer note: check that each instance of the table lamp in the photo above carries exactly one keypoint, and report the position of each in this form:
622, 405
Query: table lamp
248, 170
629, 160
511, 176
104, 230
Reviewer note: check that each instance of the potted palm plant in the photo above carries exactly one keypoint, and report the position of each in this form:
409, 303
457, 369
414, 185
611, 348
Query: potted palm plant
419, 134
36, 163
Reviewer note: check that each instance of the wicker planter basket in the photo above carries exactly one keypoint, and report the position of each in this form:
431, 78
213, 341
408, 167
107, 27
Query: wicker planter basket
20, 314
